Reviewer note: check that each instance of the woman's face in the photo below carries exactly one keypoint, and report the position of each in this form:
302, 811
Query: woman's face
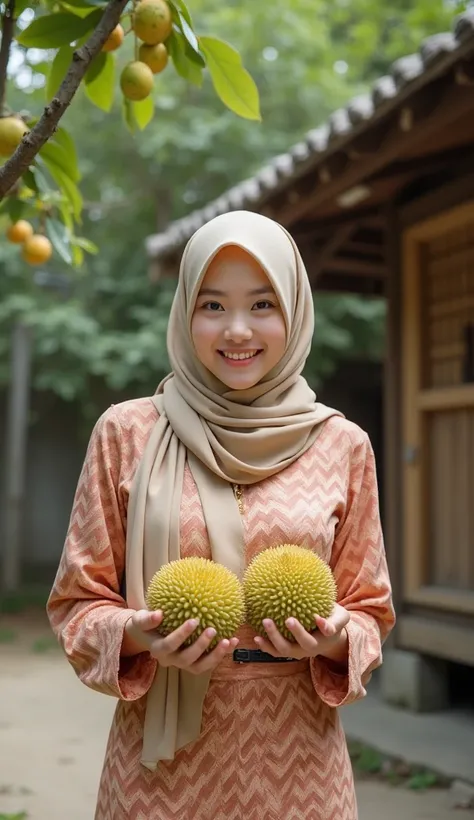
238, 328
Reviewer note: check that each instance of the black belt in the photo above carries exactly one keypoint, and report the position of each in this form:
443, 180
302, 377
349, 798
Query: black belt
257, 656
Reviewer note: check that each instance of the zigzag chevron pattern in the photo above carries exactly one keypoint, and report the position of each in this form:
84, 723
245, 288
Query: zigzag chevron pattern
271, 747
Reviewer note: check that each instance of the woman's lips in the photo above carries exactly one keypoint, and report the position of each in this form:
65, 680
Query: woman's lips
242, 358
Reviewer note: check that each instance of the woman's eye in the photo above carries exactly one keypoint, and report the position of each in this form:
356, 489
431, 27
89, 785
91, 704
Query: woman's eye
212, 306
264, 303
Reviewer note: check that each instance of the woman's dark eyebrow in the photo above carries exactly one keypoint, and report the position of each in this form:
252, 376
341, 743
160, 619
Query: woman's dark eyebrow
256, 292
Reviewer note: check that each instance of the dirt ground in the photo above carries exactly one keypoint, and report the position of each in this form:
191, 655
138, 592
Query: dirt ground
53, 732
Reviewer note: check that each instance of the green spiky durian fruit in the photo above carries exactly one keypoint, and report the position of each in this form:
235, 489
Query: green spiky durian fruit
197, 588
288, 581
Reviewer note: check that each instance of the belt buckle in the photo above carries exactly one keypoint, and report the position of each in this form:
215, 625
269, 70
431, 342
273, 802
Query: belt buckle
241, 655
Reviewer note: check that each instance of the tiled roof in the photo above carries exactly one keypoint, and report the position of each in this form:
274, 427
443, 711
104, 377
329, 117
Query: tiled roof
405, 74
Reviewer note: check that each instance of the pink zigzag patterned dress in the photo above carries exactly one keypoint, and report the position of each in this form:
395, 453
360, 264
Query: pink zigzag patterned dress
272, 746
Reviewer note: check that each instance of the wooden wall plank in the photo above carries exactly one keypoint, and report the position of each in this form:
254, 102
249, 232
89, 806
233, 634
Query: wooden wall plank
392, 512
412, 437
436, 638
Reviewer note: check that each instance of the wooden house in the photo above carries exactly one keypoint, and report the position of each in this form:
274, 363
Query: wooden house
380, 200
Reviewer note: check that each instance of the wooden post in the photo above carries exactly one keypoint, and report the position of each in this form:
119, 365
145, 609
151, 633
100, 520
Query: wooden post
392, 412
15, 449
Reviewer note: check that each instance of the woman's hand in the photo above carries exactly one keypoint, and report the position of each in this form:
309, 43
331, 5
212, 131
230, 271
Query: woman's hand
330, 640
140, 636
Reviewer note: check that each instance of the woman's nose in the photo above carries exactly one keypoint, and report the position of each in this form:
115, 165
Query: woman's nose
238, 331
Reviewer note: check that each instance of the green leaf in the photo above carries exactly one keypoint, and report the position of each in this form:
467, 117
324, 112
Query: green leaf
40, 68
78, 11
58, 70
232, 82
72, 192
41, 180
143, 112
63, 138
59, 238
20, 7
192, 45
66, 215
138, 114
85, 244
77, 256
195, 56
67, 186
185, 11
54, 152
129, 115
100, 81
59, 29
186, 68
30, 180
84, 4
15, 208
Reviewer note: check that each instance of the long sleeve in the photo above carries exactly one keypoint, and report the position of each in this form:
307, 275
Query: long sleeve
360, 569
86, 609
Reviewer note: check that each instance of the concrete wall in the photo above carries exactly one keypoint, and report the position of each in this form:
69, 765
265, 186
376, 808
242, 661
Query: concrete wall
55, 452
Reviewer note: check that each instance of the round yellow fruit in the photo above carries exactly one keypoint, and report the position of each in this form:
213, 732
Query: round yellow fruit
19, 231
136, 81
37, 249
197, 588
155, 57
288, 581
12, 131
115, 39
152, 21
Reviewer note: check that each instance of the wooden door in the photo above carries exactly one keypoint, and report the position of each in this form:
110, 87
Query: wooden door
438, 412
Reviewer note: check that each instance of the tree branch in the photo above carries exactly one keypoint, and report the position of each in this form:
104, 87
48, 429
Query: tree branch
8, 28
32, 142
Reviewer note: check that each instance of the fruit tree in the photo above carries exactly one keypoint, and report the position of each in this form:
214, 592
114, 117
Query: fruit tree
39, 173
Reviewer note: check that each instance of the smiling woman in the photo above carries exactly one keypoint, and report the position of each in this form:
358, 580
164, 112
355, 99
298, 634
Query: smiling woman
231, 456
238, 335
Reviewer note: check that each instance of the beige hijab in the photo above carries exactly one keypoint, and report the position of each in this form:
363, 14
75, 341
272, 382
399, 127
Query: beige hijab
226, 437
